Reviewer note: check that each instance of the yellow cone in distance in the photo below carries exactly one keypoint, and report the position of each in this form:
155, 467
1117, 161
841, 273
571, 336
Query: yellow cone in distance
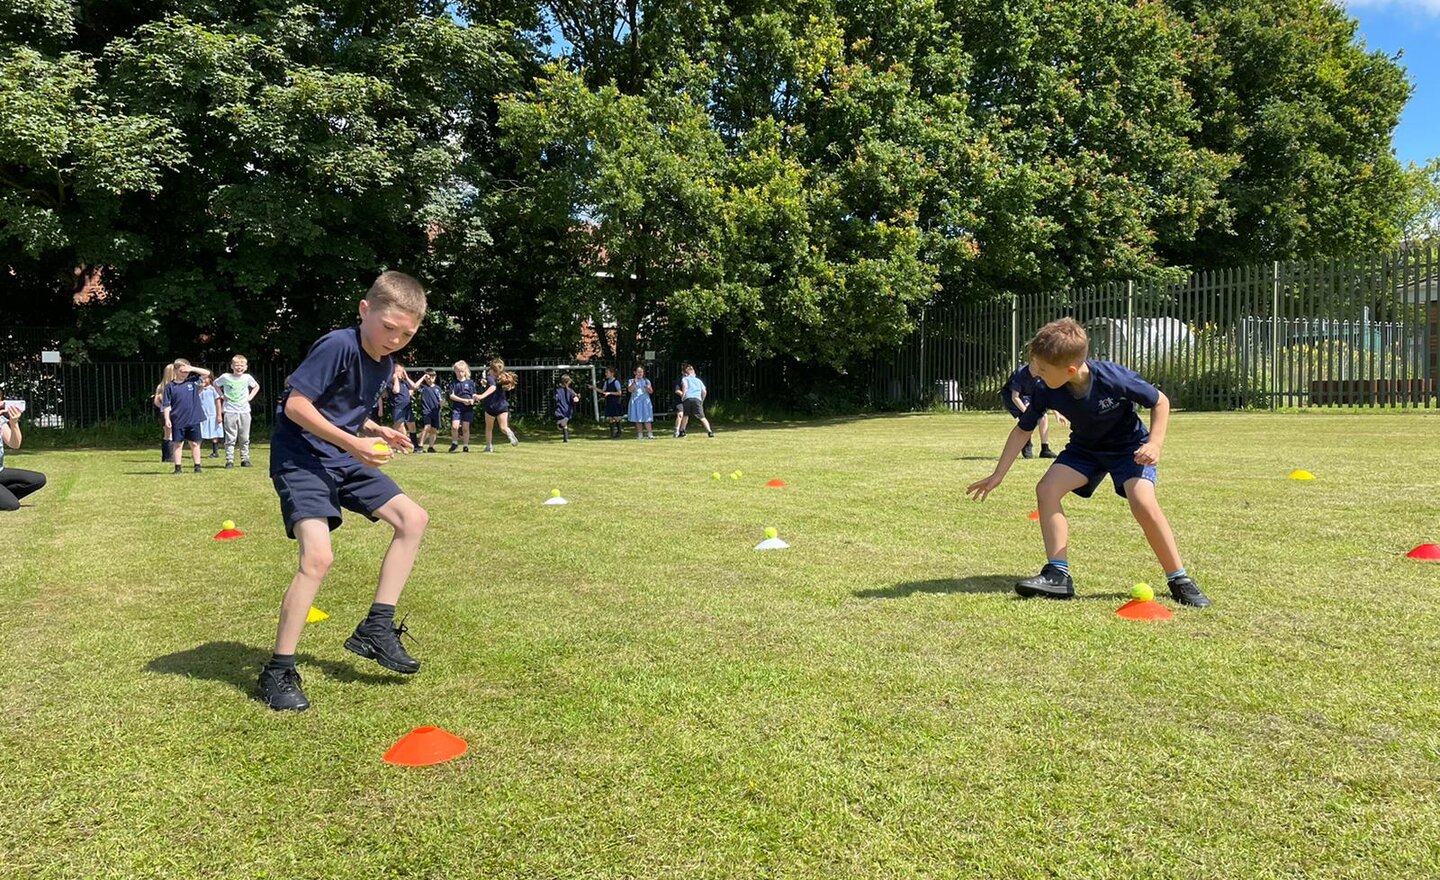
1301, 475
315, 615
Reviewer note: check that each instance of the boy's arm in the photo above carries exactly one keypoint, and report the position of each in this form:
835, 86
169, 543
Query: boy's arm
1015, 398
1149, 451
254, 389
301, 410
199, 371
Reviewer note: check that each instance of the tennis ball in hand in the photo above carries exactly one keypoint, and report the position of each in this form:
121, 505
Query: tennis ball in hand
554, 493
380, 446
772, 532
228, 524
1142, 593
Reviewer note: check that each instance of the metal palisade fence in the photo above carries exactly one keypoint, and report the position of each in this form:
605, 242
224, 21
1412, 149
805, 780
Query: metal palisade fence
1358, 331
1355, 331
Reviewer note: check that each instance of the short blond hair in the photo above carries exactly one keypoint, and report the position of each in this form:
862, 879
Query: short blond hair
396, 290
1062, 343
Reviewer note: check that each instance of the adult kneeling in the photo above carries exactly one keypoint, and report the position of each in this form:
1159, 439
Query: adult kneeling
14, 483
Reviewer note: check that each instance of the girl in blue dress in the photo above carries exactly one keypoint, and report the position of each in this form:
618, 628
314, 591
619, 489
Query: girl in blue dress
212, 428
642, 409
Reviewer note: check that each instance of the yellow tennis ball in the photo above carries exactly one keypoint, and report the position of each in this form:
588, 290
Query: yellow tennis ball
1142, 593
715, 475
380, 446
739, 473
734, 476
554, 493
228, 524
772, 532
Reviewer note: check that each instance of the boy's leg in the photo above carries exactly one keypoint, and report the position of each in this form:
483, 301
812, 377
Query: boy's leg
1054, 581
1146, 508
316, 558
454, 434
232, 434
1045, 430
16, 484
244, 433
377, 637
177, 449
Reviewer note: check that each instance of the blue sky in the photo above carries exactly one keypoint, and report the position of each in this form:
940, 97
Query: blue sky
1411, 25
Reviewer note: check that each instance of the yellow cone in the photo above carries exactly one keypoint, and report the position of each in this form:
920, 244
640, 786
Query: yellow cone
1301, 475
315, 615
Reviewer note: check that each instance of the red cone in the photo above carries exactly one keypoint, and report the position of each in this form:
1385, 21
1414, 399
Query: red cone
1430, 552
228, 534
1151, 610
425, 745
1034, 516
775, 484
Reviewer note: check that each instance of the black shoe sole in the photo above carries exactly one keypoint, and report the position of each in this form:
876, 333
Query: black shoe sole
1190, 603
1028, 592
274, 708
363, 648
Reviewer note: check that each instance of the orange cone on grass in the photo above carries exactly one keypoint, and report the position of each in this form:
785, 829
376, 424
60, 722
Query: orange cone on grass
1427, 552
1142, 606
775, 484
1034, 516
228, 532
424, 746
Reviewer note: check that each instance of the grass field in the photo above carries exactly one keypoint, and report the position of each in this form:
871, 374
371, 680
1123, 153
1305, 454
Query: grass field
645, 696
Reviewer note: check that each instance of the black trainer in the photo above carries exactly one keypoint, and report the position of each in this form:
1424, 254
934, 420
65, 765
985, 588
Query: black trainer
245, 463
379, 640
710, 434
453, 447
197, 468
178, 469
1045, 451
280, 689
229, 465
1185, 591
1027, 451
1052, 582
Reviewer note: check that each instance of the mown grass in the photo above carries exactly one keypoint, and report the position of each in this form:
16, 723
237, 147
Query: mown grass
645, 696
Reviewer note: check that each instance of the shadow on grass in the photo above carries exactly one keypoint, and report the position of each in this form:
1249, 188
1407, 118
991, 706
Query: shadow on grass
979, 583
238, 665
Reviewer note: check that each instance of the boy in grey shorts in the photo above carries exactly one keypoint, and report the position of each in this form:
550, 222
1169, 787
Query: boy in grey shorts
238, 388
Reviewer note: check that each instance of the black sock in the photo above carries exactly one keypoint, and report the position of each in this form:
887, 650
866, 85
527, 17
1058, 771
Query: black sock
381, 611
414, 439
282, 661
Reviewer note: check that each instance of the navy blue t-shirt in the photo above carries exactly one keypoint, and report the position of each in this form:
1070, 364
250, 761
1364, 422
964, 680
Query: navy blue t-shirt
564, 402
183, 398
463, 388
499, 401
402, 399
1104, 420
429, 398
345, 385
1022, 381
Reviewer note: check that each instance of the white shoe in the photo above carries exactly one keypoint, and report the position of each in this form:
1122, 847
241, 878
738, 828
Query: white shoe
514, 441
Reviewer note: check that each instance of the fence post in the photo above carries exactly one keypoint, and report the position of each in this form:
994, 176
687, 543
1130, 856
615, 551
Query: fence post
1130, 324
1014, 329
922, 356
1274, 334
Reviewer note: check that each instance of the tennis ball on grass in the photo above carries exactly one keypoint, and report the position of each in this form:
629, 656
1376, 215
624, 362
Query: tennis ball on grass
772, 532
228, 524
1142, 593
554, 493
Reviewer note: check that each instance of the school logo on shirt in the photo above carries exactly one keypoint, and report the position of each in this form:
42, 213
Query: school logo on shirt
1107, 404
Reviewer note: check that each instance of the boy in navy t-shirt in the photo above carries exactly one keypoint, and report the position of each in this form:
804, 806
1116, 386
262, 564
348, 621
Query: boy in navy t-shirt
325, 453
564, 410
1106, 438
180, 404
430, 399
1016, 394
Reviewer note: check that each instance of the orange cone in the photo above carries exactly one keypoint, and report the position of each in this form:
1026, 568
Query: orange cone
1430, 552
228, 534
1151, 610
425, 745
1034, 516
775, 484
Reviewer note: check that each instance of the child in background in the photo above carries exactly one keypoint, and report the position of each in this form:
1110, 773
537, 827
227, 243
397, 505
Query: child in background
1016, 398
642, 411
158, 398
239, 389
181, 405
694, 400
680, 405
564, 411
211, 425
430, 403
402, 405
614, 408
462, 406
499, 382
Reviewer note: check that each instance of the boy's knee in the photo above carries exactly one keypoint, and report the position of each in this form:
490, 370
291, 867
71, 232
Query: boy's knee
9, 504
316, 562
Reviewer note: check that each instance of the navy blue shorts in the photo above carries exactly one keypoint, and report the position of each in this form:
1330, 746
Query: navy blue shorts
405, 414
430, 419
318, 491
1121, 466
179, 434
465, 414
496, 413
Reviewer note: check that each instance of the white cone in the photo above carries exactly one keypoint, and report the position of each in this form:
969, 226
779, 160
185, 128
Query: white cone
551, 502
772, 544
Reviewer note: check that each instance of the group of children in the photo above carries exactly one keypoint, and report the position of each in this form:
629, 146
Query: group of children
325, 457
690, 394
492, 395
196, 407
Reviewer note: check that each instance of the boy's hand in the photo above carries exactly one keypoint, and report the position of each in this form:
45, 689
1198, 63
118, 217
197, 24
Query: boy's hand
363, 448
1148, 453
981, 489
397, 439
13, 413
